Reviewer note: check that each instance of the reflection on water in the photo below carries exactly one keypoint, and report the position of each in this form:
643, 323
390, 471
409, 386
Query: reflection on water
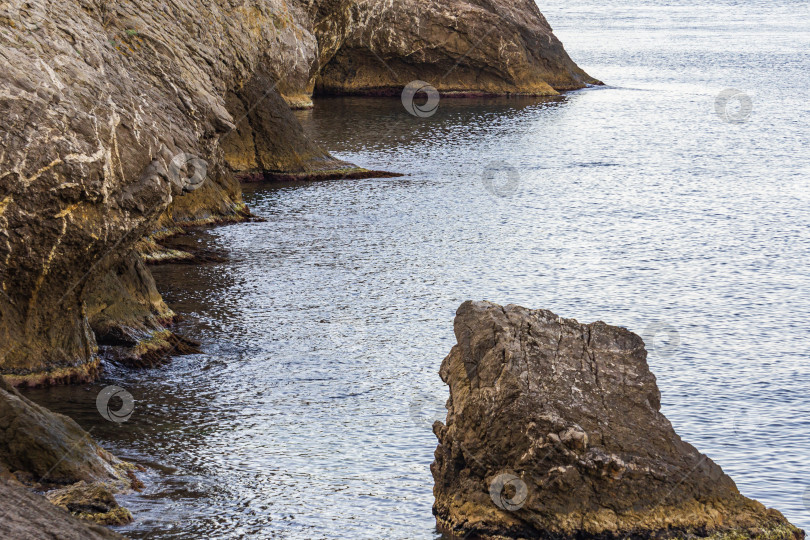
308, 415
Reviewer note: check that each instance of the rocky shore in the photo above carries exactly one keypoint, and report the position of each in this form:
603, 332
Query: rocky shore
126, 123
27, 516
51, 454
554, 430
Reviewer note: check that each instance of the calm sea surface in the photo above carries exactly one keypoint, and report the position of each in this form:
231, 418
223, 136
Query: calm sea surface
647, 204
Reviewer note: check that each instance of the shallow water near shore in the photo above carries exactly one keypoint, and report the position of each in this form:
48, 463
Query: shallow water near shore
309, 413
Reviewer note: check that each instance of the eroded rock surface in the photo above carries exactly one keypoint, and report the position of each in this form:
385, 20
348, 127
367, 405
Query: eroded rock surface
27, 516
50, 452
486, 47
104, 105
44, 448
554, 431
130, 120
91, 502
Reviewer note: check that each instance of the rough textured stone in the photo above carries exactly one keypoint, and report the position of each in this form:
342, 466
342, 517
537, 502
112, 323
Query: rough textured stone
28, 516
49, 451
129, 318
98, 100
91, 502
460, 46
570, 412
105, 105
46, 449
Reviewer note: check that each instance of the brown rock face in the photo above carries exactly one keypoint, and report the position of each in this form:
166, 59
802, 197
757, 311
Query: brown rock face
91, 502
458, 46
46, 449
49, 451
133, 118
104, 105
554, 431
28, 516
128, 315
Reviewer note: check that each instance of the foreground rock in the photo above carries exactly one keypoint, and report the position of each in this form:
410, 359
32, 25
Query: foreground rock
28, 516
50, 452
91, 502
554, 431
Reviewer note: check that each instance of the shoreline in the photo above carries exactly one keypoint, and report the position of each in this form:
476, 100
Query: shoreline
132, 128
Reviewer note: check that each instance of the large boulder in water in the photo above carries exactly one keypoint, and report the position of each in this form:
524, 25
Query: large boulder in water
554, 430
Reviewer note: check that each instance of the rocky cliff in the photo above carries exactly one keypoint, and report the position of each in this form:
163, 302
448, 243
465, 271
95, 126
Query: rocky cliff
118, 118
125, 121
554, 431
484, 47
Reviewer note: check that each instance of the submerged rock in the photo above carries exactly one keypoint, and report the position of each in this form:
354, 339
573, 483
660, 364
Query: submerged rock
554, 431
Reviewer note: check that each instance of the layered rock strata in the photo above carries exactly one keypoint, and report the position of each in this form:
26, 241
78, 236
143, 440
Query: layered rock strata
114, 119
554, 430
465, 47
125, 122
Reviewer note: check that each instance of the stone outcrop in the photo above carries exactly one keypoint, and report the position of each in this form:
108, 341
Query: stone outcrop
554, 431
124, 122
129, 318
48, 451
104, 106
469, 47
90, 502
27, 516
